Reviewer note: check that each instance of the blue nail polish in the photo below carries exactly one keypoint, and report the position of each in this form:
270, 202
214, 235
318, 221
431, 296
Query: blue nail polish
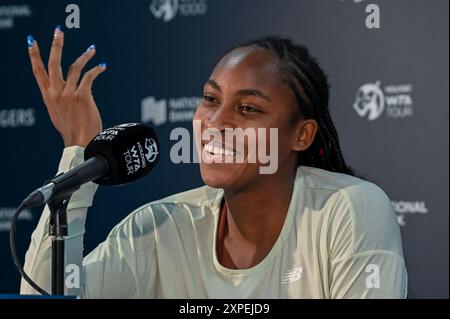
103, 65
30, 41
92, 47
58, 28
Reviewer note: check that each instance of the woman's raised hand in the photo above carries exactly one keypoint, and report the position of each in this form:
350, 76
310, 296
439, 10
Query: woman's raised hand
69, 101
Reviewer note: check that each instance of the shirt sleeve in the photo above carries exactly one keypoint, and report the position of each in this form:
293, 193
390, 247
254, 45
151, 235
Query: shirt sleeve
366, 256
103, 274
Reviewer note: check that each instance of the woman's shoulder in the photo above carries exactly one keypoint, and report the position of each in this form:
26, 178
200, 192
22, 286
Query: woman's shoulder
360, 196
354, 188
316, 178
173, 213
357, 209
184, 205
197, 197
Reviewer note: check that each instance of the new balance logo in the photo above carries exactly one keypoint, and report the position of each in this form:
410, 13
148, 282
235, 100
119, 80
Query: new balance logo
292, 275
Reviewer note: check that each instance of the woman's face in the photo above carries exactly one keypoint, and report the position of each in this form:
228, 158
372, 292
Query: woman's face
246, 90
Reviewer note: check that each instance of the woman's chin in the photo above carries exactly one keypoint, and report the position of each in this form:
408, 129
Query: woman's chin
217, 178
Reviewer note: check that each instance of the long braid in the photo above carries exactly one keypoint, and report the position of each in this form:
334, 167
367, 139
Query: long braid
311, 88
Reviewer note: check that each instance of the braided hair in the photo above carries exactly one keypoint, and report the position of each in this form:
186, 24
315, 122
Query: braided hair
310, 86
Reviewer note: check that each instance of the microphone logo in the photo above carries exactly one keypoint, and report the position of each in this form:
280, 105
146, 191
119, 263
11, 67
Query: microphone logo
151, 150
136, 156
130, 150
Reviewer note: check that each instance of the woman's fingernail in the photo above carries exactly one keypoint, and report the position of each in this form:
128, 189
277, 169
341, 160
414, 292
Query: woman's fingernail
103, 65
92, 47
30, 41
57, 30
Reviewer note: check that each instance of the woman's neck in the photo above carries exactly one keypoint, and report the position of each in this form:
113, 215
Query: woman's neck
256, 215
251, 220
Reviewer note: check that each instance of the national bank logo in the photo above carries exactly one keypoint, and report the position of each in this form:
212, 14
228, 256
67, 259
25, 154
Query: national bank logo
171, 110
371, 101
166, 10
405, 208
10, 12
154, 111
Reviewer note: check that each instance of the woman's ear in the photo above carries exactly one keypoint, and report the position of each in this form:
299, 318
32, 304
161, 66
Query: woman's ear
306, 132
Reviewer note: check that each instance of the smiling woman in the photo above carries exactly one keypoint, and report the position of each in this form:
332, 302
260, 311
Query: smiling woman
309, 230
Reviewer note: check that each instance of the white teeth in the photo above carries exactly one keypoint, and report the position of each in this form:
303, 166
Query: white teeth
217, 150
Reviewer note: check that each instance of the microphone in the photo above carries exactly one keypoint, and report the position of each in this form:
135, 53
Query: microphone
116, 156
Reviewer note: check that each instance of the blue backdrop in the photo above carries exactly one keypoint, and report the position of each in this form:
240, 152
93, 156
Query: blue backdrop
389, 99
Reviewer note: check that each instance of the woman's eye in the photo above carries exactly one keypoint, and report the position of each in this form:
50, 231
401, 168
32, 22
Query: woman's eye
249, 109
210, 99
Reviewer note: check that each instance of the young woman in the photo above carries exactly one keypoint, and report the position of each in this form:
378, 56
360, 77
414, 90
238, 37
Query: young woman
310, 230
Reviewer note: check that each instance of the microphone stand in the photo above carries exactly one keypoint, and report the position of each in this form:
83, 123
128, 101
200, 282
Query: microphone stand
58, 232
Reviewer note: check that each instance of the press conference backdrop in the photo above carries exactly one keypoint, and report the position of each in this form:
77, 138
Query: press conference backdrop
389, 99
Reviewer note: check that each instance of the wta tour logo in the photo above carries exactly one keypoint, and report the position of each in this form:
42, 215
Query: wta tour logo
371, 101
151, 150
136, 157
166, 10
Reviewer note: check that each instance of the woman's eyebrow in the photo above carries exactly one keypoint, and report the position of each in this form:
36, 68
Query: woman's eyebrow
254, 92
214, 84
243, 92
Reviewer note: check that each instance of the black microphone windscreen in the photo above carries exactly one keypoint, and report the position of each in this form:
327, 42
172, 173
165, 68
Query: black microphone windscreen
131, 150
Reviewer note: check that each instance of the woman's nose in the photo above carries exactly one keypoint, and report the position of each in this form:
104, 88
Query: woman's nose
221, 118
